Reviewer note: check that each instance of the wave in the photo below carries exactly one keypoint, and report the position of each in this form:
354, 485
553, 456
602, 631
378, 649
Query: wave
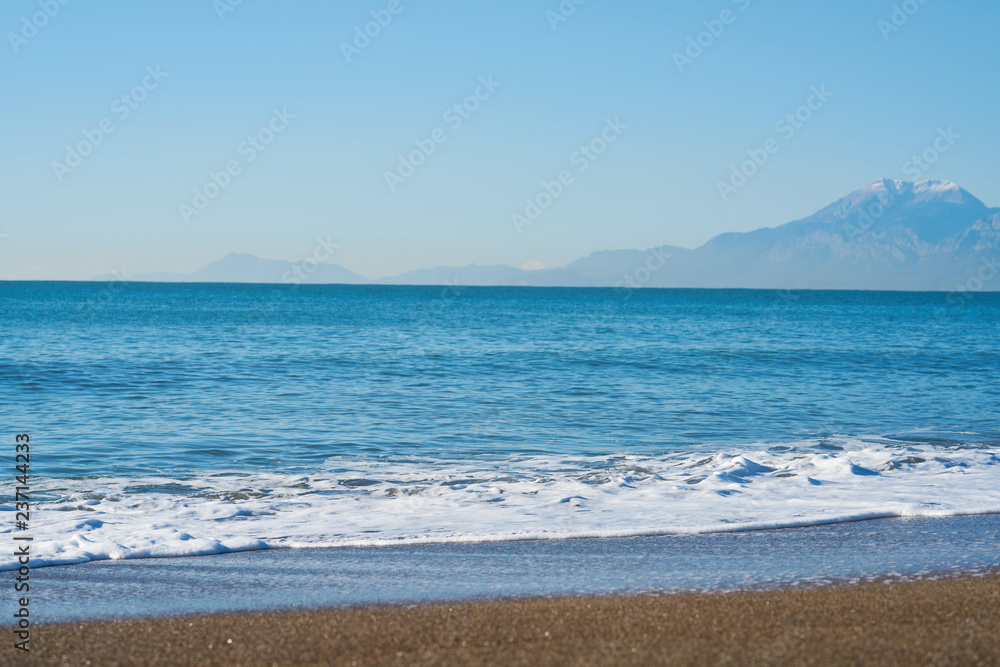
418, 500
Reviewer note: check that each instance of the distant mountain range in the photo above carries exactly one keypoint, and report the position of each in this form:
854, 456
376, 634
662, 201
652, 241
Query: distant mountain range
242, 268
892, 235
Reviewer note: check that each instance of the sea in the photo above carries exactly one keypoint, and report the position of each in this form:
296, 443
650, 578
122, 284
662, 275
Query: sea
201, 419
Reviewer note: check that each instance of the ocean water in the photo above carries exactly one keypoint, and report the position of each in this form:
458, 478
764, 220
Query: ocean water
175, 420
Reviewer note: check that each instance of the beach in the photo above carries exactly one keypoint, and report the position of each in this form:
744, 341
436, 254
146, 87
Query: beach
891, 591
949, 621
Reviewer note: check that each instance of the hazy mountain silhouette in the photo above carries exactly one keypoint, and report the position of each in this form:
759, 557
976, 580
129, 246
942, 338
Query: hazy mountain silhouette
244, 268
931, 235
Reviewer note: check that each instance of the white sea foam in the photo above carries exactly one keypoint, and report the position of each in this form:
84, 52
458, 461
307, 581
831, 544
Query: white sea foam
377, 502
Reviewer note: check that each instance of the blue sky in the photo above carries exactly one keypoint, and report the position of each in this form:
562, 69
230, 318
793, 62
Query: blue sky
556, 87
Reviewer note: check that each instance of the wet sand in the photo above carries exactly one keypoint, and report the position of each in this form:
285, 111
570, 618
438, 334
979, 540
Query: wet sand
277, 580
952, 621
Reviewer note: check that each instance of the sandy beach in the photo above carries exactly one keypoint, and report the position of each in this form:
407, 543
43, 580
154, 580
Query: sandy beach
951, 621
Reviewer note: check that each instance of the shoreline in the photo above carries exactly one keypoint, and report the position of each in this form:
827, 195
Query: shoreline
952, 620
276, 580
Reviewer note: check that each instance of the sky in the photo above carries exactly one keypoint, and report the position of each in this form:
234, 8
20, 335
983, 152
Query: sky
151, 137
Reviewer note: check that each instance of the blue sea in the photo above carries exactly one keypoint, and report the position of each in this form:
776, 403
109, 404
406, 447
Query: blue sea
190, 419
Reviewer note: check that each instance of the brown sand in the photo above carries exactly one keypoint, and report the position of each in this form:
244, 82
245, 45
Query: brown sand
945, 622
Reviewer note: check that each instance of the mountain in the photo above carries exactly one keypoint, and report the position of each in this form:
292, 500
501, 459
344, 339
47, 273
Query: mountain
890, 235
611, 267
474, 274
243, 268
931, 235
